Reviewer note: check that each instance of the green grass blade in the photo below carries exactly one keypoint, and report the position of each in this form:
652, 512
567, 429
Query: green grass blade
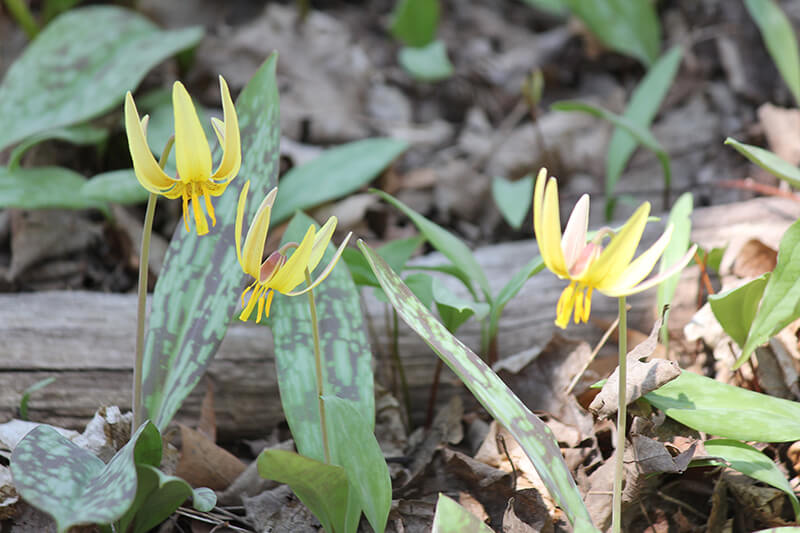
736, 308
680, 219
533, 435
201, 281
768, 161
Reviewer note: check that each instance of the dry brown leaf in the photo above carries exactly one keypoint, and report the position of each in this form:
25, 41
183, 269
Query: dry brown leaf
782, 129
754, 258
468, 502
527, 513
204, 464
207, 425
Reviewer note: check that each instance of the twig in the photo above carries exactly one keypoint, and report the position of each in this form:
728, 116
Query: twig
749, 184
597, 348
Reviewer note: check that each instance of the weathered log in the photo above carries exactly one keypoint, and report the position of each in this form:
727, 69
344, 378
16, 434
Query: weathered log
86, 340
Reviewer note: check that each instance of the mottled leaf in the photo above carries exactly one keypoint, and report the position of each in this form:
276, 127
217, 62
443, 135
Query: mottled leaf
201, 282
514, 198
71, 484
336, 173
778, 35
720, 409
345, 349
533, 435
427, 63
414, 22
81, 134
323, 488
396, 253
768, 161
354, 448
750, 461
736, 308
641, 109
44, 188
454, 310
450, 517
780, 304
117, 186
80, 66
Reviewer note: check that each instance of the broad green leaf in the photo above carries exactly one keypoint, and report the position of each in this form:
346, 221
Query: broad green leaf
53, 8
396, 253
510, 289
80, 66
780, 304
719, 409
532, 434
555, 7
26, 396
786, 529
450, 517
778, 35
680, 218
514, 198
639, 133
354, 448
117, 186
454, 310
158, 496
629, 27
427, 63
321, 487
451, 246
421, 284
201, 282
414, 22
346, 353
81, 134
642, 108
751, 462
768, 161
736, 308
71, 484
44, 188
336, 173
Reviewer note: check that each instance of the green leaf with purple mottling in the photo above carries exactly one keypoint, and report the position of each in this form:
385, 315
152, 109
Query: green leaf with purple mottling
80, 66
533, 435
201, 282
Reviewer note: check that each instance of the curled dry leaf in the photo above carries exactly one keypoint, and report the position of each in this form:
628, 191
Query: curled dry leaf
204, 464
755, 258
643, 377
527, 513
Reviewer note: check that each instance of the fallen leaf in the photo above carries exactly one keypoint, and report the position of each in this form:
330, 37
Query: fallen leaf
468, 502
754, 258
527, 513
204, 464
207, 425
782, 129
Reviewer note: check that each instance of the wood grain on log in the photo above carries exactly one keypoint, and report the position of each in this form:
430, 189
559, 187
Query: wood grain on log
86, 340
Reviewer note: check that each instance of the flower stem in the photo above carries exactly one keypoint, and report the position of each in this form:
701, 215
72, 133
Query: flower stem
144, 260
619, 472
318, 359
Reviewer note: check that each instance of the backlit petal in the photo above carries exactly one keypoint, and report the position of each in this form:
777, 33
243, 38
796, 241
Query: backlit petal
639, 268
293, 272
321, 241
550, 241
230, 141
192, 154
538, 201
328, 269
256, 238
655, 280
145, 166
574, 240
619, 252
239, 220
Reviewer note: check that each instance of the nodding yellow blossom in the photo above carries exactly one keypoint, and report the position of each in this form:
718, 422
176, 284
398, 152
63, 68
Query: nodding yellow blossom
193, 156
278, 272
610, 269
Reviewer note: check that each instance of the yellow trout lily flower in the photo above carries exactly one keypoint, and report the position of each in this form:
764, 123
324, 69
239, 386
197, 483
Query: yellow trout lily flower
193, 156
279, 272
589, 265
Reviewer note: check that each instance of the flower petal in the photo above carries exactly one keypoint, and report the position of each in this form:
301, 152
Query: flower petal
639, 268
191, 147
256, 238
328, 269
145, 166
619, 252
199, 214
230, 141
294, 271
574, 240
655, 280
550, 238
321, 241
538, 200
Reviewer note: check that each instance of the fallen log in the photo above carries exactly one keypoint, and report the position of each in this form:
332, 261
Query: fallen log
86, 340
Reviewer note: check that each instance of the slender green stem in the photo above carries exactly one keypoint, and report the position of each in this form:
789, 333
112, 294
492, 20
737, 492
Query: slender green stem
399, 364
318, 359
19, 10
144, 260
619, 472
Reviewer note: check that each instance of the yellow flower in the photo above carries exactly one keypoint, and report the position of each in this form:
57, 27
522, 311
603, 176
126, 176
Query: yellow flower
192, 154
277, 272
589, 265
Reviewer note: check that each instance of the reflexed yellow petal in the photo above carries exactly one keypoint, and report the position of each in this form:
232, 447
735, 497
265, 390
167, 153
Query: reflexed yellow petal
574, 240
619, 252
238, 228
256, 238
328, 269
250, 304
655, 280
550, 243
639, 268
192, 154
230, 141
199, 215
145, 166
219, 129
565, 304
587, 307
293, 272
321, 241
538, 200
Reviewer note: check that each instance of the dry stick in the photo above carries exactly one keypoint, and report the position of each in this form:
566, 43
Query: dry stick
749, 184
703, 264
318, 360
597, 348
622, 405
144, 260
